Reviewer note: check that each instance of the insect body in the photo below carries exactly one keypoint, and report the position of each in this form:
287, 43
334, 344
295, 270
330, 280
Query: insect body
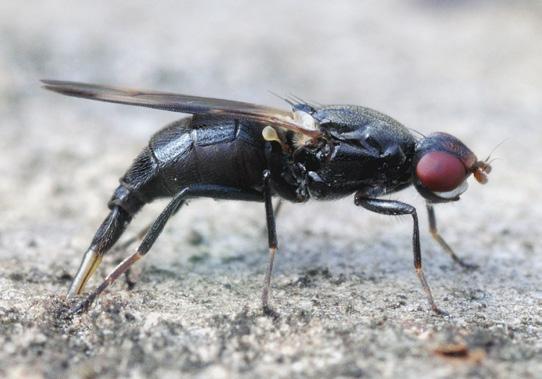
240, 151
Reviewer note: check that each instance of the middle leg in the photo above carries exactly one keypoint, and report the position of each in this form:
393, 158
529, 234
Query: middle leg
272, 241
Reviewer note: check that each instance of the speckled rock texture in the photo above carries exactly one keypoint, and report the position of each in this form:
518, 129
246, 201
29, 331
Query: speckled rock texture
348, 301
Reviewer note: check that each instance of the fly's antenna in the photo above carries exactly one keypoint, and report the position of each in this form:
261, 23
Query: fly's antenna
488, 160
482, 168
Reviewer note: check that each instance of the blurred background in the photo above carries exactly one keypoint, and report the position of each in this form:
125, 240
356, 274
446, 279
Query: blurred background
470, 68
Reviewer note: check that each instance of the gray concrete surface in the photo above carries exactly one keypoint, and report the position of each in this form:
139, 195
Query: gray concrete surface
349, 303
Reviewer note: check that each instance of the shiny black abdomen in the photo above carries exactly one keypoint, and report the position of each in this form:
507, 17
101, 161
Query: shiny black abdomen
201, 149
209, 150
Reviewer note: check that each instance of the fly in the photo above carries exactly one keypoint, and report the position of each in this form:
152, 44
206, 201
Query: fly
240, 151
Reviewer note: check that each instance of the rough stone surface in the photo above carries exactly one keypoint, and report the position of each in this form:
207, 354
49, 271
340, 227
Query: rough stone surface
348, 302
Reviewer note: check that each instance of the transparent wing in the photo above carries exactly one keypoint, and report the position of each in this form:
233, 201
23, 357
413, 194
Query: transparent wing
181, 103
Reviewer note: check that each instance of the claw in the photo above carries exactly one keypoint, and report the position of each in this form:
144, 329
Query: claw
83, 306
270, 312
439, 312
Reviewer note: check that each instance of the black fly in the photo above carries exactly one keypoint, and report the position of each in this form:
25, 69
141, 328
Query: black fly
241, 151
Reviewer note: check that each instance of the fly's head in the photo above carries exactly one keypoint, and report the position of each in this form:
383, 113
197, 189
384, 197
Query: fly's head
442, 165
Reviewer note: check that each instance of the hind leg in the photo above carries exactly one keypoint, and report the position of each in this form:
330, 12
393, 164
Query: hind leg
137, 237
200, 190
122, 247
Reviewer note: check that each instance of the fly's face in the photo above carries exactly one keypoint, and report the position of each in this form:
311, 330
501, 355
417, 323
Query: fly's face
442, 166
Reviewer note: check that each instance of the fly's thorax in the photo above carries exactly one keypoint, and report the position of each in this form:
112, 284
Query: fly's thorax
360, 150
335, 168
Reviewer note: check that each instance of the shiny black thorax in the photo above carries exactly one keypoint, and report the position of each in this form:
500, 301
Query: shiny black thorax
364, 151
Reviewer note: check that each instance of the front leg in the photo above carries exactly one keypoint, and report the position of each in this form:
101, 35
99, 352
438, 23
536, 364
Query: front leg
437, 237
395, 208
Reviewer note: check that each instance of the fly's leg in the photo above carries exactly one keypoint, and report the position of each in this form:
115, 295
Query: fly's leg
437, 237
128, 275
130, 282
213, 191
276, 209
272, 241
390, 207
137, 237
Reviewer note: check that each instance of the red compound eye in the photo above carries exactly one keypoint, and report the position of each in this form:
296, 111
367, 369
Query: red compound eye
440, 171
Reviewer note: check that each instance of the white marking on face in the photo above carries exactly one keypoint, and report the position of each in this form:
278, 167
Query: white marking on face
454, 193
